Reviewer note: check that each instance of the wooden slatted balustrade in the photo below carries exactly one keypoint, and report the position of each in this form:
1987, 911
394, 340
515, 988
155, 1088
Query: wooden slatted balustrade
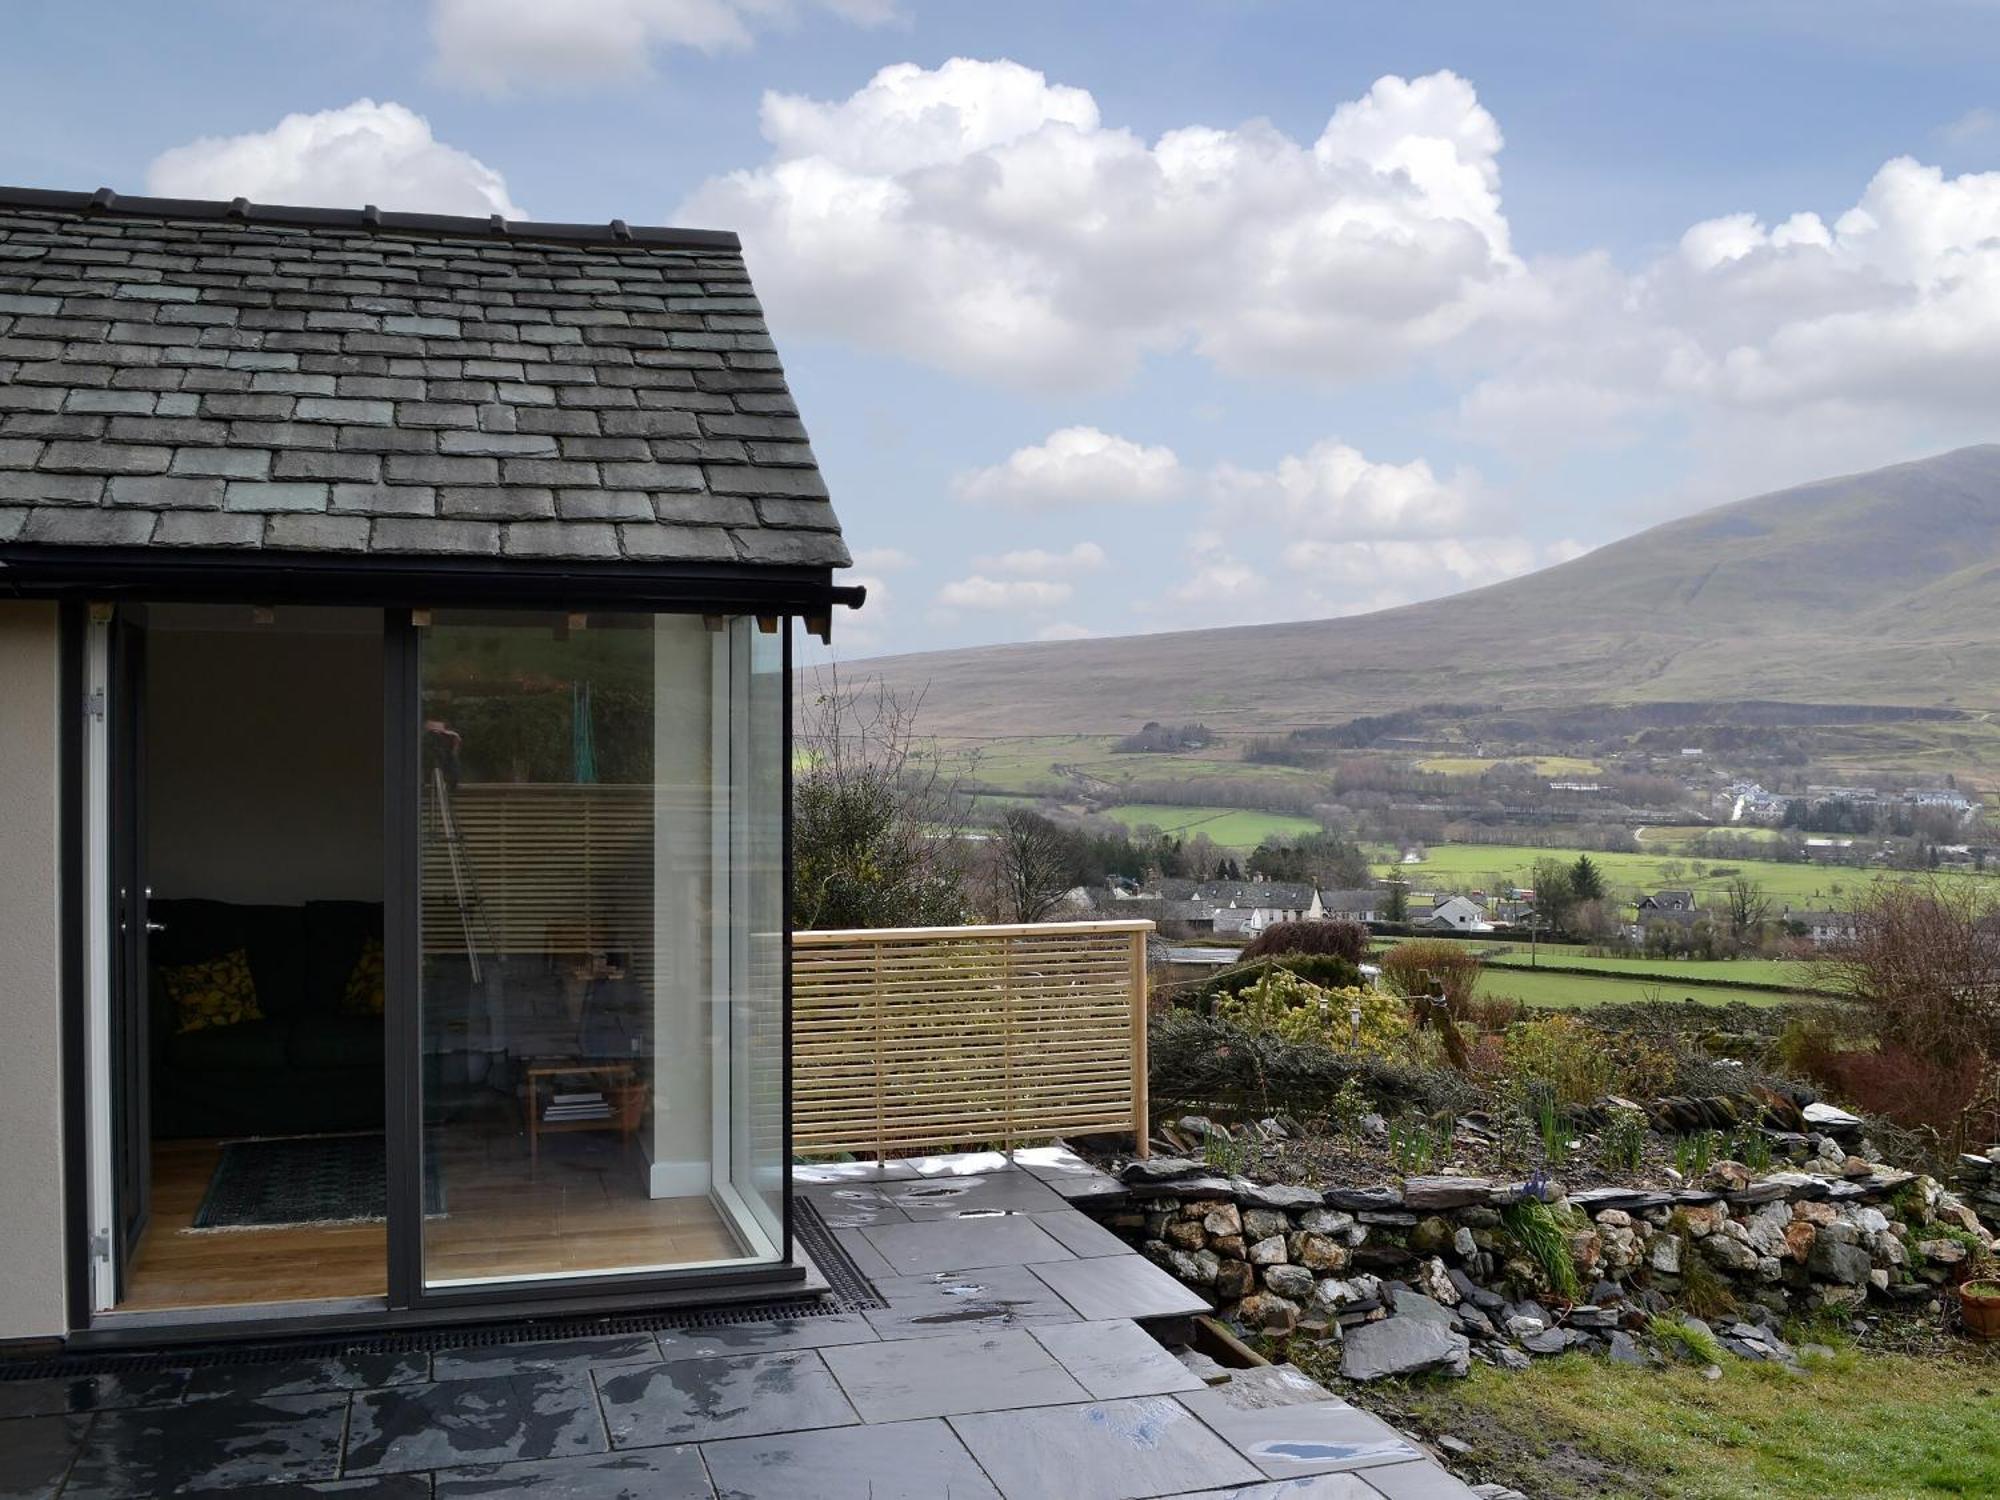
925, 1038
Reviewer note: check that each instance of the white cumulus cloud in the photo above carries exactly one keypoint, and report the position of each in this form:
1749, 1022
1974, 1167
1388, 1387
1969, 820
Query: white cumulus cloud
1333, 491
1076, 466
982, 593
496, 46
1768, 349
364, 153
1035, 562
981, 218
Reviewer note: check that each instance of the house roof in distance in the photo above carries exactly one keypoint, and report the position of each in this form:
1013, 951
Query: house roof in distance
211, 375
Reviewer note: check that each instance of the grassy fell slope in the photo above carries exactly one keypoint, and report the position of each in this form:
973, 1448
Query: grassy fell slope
1876, 588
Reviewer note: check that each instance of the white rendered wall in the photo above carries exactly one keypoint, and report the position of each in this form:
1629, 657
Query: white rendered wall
31, 1197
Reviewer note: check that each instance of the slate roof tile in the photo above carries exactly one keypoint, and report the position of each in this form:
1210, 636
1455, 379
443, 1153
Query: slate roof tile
295, 379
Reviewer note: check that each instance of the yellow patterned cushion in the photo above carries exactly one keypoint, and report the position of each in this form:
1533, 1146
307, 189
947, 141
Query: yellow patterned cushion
364, 993
219, 992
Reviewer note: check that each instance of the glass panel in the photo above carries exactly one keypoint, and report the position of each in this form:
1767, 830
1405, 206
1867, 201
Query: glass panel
590, 1038
757, 935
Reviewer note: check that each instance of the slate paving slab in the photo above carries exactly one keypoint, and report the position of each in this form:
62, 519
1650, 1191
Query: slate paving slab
773, 1336
867, 1259
156, 1450
962, 1164
964, 1302
1050, 1162
1286, 1441
699, 1400
1081, 1235
35, 1454
1310, 1487
347, 1372
852, 1171
948, 1197
942, 1377
44, 1398
964, 1244
1104, 1450
557, 1356
1417, 1481
1120, 1286
857, 1205
890, 1461
647, 1474
499, 1419
380, 1487
1116, 1358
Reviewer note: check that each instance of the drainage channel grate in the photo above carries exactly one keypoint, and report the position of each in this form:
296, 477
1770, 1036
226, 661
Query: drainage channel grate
853, 1291
850, 1291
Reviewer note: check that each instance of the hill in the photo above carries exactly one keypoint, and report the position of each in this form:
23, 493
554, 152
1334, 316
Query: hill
1869, 589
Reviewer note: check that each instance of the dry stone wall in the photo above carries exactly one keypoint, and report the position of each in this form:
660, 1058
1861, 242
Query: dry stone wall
1437, 1251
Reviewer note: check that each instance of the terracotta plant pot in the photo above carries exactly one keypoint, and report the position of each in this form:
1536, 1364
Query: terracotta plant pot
1979, 1308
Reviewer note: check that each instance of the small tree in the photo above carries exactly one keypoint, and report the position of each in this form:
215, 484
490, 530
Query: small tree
1748, 907
1555, 893
1037, 865
876, 825
1585, 881
1397, 907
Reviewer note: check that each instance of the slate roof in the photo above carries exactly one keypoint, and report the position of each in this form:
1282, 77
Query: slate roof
1243, 893
209, 375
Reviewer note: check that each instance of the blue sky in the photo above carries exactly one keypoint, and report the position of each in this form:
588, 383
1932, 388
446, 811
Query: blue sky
1105, 328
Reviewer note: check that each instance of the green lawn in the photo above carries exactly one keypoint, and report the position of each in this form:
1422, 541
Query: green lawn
1581, 991
1231, 827
1491, 866
1858, 1426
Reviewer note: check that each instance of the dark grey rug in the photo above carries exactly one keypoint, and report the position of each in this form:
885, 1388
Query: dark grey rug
314, 1179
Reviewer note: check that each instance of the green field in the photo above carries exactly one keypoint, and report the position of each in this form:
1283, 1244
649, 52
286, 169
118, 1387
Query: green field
1232, 827
1087, 762
1492, 866
1581, 991
1545, 765
1776, 972
1665, 836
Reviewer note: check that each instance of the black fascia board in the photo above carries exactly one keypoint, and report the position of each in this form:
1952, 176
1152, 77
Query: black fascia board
369, 220
266, 577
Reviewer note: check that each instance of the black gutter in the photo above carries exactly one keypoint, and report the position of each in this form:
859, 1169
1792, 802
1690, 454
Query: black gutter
370, 220
270, 577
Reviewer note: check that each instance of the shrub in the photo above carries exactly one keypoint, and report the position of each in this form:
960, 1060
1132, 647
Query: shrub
1348, 940
1299, 1011
1424, 966
1208, 1063
1563, 1055
1327, 970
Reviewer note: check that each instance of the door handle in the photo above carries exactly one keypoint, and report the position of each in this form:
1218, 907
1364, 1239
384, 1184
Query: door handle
156, 927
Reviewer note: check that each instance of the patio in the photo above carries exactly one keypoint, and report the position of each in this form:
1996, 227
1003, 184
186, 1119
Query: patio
1008, 1357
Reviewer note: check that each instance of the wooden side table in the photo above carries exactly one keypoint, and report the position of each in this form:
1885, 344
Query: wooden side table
625, 1098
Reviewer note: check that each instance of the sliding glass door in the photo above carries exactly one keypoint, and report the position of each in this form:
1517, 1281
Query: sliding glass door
600, 945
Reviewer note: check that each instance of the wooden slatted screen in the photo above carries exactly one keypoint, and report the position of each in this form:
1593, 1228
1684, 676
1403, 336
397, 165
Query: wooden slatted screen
907, 1039
557, 868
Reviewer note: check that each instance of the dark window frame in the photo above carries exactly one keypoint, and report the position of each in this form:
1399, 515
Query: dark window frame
785, 595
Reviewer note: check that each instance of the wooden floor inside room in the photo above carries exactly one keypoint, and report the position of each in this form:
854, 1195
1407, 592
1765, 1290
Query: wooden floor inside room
584, 1208
179, 1266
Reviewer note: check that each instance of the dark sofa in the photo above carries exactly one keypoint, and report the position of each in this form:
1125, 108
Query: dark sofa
307, 1067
